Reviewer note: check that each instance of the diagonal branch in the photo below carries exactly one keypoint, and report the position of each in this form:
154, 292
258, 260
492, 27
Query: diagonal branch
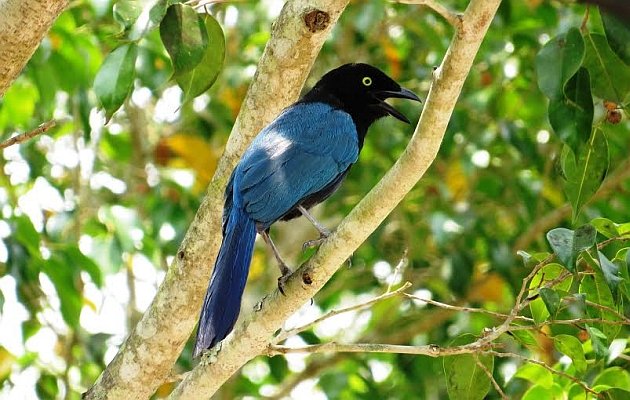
251, 336
23, 137
148, 354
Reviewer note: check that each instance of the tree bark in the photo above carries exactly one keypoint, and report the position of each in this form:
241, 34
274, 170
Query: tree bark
145, 359
23, 24
253, 335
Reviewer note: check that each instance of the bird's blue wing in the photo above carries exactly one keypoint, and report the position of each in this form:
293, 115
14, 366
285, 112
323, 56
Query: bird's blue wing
307, 147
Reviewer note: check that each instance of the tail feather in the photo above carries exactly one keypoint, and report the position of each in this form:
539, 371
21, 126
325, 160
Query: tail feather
222, 303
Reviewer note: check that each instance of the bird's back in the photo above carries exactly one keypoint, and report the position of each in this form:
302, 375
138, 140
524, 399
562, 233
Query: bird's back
302, 152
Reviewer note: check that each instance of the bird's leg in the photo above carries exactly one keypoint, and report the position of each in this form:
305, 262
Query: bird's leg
323, 231
285, 271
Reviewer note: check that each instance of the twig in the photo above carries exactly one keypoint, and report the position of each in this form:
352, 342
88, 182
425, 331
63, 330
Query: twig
23, 137
402, 264
283, 335
453, 18
489, 374
429, 350
466, 309
545, 366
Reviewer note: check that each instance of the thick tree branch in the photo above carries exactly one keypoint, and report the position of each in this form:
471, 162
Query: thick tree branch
23, 24
252, 336
145, 359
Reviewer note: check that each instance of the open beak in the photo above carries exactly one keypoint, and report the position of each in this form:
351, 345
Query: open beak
402, 93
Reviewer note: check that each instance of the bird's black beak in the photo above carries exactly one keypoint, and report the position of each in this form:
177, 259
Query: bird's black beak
402, 93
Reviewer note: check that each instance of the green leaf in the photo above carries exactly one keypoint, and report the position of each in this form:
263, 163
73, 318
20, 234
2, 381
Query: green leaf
47, 387
63, 278
549, 272
618, 35
585, 174
610, 77
126, 13
597, 291
567, 244
201, 78
571, 116
525, 337
26, 234
598, 341
464, 378
184, 36
558, 61
551, 299
79, 260
611, 273
539, 392
605, 226
114, 80
612, 378
535, 374
572, 347
153, 12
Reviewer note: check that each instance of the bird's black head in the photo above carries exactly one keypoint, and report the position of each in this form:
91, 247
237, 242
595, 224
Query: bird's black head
360, 90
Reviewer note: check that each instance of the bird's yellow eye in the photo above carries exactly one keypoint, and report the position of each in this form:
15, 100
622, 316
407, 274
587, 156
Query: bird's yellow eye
367, 81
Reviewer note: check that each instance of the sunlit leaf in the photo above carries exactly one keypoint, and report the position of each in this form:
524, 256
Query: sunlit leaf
114, 80
612, 378
572, 347
540, 392
548, 273
605, 226
153, 12
126, 12
535, 374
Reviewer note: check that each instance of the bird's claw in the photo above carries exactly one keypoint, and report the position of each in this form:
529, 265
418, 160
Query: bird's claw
282, 280
315, 242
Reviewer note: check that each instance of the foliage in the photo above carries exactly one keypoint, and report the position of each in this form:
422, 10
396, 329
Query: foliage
536, 149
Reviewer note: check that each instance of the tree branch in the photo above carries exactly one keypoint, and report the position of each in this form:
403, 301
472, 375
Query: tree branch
251, 336
23, 24
451, 17
23, 137
145, 359
334, 347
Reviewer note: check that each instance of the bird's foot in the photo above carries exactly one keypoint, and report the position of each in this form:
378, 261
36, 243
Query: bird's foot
323, 235
282, 280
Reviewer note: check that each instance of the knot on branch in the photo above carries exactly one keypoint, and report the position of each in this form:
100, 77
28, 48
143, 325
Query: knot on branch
316, 20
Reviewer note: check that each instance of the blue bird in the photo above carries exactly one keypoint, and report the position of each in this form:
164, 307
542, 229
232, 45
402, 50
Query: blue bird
295, 162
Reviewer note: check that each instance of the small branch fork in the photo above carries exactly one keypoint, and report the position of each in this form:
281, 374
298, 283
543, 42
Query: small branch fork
23, 137
486, 345
453, 18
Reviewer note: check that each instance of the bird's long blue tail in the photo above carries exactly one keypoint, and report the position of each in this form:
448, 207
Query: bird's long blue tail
223, 298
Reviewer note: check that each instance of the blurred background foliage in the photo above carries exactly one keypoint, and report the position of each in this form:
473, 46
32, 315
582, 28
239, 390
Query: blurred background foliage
92, 213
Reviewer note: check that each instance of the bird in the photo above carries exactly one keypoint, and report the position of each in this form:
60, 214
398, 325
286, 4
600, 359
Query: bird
293, 164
